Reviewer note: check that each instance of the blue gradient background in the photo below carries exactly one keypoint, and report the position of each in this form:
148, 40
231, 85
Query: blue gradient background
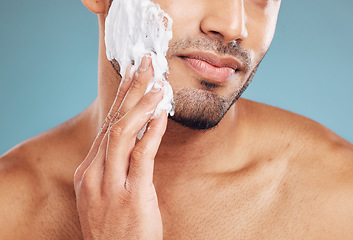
48, 65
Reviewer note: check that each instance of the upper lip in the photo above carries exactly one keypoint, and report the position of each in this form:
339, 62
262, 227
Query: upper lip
214, 60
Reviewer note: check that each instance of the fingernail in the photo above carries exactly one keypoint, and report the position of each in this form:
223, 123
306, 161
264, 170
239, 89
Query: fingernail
157, 86
145, 63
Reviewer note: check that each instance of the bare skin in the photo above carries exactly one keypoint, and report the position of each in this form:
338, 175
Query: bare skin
262, 173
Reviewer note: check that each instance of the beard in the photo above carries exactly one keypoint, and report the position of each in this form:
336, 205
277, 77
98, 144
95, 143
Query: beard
201, 109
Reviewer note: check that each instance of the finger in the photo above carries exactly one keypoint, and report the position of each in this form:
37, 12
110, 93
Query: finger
89, 158
92, 174
138, 87
95, 170
117, 160
122, 136
123, 89
144, 153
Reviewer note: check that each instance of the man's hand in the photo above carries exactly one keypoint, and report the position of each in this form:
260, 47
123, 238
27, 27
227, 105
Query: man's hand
115, 195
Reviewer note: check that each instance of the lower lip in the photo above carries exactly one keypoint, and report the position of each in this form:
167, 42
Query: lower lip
208, 71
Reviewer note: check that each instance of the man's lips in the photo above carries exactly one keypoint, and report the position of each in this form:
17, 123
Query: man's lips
211, 67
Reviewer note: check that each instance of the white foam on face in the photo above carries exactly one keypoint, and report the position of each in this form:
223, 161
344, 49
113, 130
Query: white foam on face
135, 28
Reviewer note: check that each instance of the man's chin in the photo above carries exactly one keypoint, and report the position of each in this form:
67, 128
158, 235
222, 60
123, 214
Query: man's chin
200, 109
195, 123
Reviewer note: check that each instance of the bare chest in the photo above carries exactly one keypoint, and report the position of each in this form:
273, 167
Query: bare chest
201, 213
239, 214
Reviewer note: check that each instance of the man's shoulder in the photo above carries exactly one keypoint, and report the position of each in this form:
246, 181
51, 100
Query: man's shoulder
55, 153
36, 194
24, 161
17, 166
307, 142
19, 192
319, 176
304, 133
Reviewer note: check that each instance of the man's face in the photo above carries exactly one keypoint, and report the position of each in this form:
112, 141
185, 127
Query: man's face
216, 48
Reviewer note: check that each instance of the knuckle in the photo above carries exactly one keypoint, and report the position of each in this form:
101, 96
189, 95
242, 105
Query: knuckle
115, 118
88, 181
120, 113
132, 189
116, 130
104, 124
121, 94
78, 175
107, 122
138, 153
108, 118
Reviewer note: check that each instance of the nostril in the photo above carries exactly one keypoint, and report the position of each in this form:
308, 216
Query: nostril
215, 33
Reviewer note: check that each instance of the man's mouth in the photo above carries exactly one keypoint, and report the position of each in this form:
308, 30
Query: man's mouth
211, 67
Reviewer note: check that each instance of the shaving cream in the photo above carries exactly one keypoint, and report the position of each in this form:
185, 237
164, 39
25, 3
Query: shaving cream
135, 28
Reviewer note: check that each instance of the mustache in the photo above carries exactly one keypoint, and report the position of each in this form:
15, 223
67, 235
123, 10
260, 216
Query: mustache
214, 45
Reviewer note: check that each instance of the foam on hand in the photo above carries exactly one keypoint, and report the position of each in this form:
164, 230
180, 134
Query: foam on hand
135, 28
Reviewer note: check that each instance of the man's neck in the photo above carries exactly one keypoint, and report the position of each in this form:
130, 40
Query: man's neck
184, 151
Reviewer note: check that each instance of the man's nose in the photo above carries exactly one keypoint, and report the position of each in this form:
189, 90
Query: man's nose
225, 19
